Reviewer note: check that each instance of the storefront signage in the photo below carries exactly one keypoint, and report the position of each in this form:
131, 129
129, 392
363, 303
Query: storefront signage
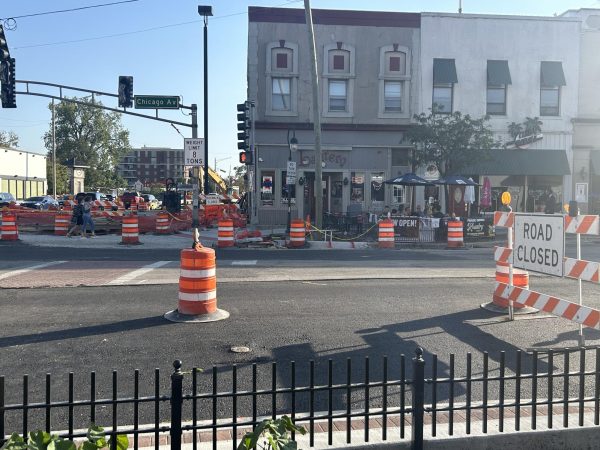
539, 243
330, 158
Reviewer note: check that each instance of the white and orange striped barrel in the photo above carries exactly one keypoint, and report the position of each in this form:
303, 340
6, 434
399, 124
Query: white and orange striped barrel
520, 279
120, 207
386, 234
455, 234
9, 228
197, 282
68, 205
130, 230
297, 233
162, 223
225, 233
142, 206
133, 207
61, 223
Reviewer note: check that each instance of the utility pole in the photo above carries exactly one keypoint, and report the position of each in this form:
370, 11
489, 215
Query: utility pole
53, 153
316, 117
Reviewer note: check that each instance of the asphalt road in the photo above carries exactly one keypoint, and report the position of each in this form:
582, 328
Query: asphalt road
99, 329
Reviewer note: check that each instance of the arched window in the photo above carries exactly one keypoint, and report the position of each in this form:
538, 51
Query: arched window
282, 78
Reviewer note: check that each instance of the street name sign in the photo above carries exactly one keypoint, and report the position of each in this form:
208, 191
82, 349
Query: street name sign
156, 102
193, 151
539, 243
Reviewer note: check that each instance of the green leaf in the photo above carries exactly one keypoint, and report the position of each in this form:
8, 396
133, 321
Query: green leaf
290, 445
87, 445
122, 442
39, 440
62, 444
15, 442
96, 433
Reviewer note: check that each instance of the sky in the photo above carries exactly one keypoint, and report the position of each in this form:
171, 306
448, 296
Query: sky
159, 43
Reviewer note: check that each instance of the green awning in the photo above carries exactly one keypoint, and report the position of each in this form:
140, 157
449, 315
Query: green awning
444, 71
498, 73
595, 158
522, 162
552, 74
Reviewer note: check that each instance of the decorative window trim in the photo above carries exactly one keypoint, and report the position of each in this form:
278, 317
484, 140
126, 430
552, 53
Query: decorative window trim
384, 76
272, 72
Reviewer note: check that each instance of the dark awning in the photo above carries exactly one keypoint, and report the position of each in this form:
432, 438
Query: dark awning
444, 71
522, 162
552, 74
498, 73
595, 158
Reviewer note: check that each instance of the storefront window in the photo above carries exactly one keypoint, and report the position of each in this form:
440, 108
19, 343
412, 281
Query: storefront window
357, 195
284, 188
398, 194
377, 188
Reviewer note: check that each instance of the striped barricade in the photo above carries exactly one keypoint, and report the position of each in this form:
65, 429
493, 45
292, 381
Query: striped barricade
582, 270
503, 254
504, 219
582, 224
583, 315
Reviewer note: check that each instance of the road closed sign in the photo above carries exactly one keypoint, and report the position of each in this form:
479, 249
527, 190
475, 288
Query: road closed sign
539, 243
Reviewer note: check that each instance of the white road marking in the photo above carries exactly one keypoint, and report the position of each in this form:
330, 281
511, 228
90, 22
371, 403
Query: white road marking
14, 273
137, 273
251, 262
316, 284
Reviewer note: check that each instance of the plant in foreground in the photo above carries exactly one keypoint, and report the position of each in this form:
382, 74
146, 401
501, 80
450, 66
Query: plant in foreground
40, 440
272, 434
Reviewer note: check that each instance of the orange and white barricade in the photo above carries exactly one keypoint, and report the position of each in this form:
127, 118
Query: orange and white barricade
197, 288
130, 230
61, 223
297, 233
386, 234
162, 223
9, 228
455, 234
520, 279
225, 233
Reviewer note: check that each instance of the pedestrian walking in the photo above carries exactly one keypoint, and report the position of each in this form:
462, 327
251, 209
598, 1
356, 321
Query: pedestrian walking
88, 221
76, 218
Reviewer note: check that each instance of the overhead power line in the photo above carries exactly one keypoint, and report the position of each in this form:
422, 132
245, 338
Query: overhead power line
69, 10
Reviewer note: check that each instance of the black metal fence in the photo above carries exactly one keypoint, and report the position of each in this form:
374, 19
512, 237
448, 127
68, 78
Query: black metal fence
388, 400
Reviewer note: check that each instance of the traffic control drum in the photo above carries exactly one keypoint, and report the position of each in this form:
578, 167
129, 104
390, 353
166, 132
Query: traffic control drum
61, 224
130, 230
297, 233
162, 223
9, 227
520, 279
386, 234
455, 234
225, 233
197, 282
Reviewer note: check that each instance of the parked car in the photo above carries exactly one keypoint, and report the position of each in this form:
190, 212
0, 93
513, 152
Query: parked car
130, 197
92, 195
152, 201
43, 202
6, 198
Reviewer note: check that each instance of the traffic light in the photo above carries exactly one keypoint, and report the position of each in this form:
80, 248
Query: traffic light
7, 82
4, 52
246, 158
243, 126
125, 91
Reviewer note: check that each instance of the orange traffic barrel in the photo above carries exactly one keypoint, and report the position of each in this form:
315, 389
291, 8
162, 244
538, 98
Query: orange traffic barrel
455, 234
386, 234
197, 288
142, 206
297, 233
520, 279
162, 223
130, 230
225, 233
61, 223
9, 227
133, 206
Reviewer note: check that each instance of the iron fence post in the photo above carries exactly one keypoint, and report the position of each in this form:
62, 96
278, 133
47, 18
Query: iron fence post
418, 399
176, 405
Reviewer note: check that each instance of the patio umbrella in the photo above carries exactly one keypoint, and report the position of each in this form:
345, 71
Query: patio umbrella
469, 196
455, 180
486, 193
409, 179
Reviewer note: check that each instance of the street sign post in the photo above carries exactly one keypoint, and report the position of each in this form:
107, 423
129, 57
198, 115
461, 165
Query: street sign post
539, 243
156, 102
291, 173
193, 151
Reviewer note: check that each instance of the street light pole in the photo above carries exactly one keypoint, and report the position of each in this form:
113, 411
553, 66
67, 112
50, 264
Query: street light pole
206, 12
292, 147
53, 153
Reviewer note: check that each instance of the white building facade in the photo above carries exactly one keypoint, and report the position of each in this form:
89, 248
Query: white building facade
22, 173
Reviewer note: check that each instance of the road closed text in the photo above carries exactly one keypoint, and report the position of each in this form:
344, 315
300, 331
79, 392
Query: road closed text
539, 243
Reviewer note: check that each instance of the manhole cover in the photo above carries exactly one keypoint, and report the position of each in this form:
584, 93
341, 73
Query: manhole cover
240, 349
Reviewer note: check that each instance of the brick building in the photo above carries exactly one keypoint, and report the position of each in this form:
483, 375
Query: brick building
152, 165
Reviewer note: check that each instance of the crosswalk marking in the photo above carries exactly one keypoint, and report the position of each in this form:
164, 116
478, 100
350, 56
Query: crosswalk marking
13, 273
123, 279
250, 262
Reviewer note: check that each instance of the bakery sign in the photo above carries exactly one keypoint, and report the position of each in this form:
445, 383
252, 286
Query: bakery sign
330, 158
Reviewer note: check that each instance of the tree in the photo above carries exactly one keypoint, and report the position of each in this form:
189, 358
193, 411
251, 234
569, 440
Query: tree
9, 139
62, 177
451, 141
93, 137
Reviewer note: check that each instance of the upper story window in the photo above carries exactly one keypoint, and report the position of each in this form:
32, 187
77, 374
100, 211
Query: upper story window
281, 78
444, 78
498, 78
551, 80
394, 81
338, 85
